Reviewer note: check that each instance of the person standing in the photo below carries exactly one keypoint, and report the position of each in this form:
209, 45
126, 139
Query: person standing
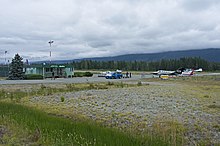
126, 74
53, 76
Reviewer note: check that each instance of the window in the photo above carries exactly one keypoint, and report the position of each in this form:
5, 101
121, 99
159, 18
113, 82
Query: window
47, 69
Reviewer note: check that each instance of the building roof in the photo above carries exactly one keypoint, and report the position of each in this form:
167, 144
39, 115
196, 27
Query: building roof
48, 66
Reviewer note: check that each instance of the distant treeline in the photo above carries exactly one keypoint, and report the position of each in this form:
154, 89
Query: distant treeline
167, 64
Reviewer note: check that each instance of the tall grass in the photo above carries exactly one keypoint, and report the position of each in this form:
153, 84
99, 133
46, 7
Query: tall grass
50, 130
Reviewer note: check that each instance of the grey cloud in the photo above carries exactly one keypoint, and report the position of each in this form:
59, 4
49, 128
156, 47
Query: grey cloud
12, 40
199, 5
99, 44
106, 27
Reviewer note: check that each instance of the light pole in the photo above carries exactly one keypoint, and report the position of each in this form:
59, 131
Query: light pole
43, 70
5, 56
8, 66
5, 68
50, 42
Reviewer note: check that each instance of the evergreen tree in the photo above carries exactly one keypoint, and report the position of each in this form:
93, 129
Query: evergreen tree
166, 64
16, 68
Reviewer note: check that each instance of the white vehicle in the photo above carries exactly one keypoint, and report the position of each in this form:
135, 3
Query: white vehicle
103, 74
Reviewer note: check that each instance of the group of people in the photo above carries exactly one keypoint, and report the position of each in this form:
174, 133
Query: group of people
128, 75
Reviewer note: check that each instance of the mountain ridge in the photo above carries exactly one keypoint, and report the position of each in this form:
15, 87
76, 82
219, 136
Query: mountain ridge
209, 54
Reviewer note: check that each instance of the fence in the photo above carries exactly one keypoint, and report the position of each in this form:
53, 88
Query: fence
4, 69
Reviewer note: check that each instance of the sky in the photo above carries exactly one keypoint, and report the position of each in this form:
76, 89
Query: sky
99, 28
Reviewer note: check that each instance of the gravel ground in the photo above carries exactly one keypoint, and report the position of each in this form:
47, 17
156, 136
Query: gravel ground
142, 106
3, 131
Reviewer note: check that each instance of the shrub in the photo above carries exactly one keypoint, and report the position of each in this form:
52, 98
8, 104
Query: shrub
139, 83
91, 86
33, 77
88, 74
70, 87
62, 99
42, 87
110, 83
119, 85
83, 74
78, 74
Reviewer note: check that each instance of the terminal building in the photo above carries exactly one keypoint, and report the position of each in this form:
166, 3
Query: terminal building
46, 70
60, 71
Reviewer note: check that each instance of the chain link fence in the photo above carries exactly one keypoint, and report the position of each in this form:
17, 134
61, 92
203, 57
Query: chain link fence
4, 70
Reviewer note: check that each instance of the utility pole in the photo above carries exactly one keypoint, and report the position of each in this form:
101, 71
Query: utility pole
50, 42
5, 56
5, 68
43, 70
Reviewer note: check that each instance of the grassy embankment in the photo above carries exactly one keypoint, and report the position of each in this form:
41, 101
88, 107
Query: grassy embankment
20, 125
41, 128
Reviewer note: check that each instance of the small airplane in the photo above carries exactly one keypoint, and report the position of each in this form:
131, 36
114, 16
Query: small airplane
164, 72
187, 72
198, 70
180, 72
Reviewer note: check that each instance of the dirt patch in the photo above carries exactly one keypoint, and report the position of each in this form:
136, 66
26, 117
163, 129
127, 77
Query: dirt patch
214, 106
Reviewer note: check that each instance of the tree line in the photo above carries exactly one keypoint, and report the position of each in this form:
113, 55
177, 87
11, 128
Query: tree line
166, 64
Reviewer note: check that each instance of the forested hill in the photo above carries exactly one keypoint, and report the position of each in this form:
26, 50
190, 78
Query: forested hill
212, 54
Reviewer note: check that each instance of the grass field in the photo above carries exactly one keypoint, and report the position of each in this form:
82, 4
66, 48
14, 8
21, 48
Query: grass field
29, 126
22, 125
186, 113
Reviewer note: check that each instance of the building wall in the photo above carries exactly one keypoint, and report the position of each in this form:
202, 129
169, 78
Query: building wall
4, 70
31, 71
58, 72
69, 72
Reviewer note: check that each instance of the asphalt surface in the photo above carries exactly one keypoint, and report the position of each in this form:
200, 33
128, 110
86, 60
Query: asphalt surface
92, 79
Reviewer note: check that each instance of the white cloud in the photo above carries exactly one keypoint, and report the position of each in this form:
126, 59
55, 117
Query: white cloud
106, 27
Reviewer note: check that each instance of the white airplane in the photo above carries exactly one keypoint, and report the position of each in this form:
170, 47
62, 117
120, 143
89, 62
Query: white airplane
164, 72
190, 72
119, 71
180, 72
198, 70
187, 72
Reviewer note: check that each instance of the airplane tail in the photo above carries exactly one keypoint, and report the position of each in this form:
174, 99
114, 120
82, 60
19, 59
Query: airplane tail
192, 73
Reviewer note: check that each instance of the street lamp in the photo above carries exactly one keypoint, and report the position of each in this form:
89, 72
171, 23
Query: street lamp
5, 63
50, 42
43, 70
5, 56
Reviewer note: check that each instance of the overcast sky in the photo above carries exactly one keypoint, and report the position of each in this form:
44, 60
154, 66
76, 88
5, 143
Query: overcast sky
97, 28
